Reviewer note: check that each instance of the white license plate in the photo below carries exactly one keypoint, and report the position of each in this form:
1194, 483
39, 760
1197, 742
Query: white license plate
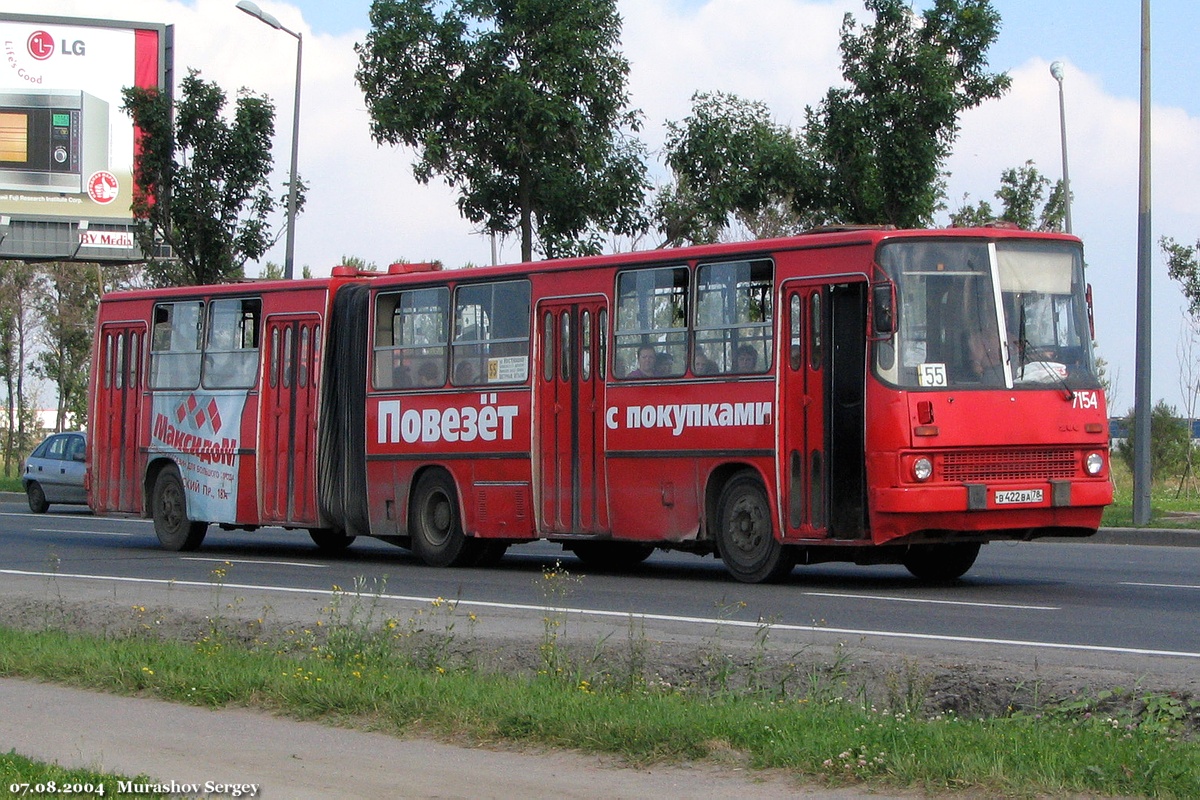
1018, 496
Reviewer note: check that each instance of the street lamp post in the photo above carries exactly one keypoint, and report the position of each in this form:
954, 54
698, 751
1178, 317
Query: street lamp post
289, 257
1145, 250
1056, 69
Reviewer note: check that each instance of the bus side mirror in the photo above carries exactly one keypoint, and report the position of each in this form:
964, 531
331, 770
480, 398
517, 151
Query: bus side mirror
883, 302
1091, 317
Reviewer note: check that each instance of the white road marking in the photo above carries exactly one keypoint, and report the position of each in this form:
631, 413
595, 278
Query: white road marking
894, 599
90, 533
1162, 585
255, 561
625, 615
121, 519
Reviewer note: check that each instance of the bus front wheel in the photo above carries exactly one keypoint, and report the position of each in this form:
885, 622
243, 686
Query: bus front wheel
435, 524
939, 563
168, 506
745, 535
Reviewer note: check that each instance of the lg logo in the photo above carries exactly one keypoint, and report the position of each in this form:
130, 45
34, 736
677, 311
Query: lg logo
41, 46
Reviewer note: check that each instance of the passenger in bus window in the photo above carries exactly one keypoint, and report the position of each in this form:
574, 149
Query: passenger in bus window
746, 359
647, 361
664, 364
464, 374
702, 364
429, 375
983, 357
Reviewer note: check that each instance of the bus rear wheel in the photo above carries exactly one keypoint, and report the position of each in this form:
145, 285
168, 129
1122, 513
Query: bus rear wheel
745, 535
168, 505
435, 524
940, 563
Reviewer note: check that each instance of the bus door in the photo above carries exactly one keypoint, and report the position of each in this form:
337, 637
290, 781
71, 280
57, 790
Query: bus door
845, 366
802, 451
116, 454
570, 412
288, 446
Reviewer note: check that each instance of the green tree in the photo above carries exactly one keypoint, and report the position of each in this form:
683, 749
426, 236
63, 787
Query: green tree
202, 181
1169, 441
274, 272
1183, 267
882, 141
729, 158
66, 306
1021, 193
521, 104
20, 285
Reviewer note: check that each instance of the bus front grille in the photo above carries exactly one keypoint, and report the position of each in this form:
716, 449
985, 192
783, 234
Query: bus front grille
1009, 465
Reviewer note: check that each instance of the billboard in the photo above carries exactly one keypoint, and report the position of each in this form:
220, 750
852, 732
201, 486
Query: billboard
66, 147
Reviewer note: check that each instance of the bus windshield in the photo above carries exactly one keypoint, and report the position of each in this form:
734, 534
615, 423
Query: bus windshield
976, 314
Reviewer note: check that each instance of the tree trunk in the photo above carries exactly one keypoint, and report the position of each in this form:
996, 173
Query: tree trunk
525, 198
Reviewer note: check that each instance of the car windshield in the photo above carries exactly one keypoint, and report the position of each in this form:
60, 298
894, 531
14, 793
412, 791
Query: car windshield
978, 314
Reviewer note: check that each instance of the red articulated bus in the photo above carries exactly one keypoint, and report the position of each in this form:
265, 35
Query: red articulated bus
864, 395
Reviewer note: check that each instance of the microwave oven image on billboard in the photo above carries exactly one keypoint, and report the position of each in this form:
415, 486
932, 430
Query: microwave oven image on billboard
51, 141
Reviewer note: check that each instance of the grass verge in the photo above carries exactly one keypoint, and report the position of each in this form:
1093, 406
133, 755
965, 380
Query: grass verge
1071, 750
25, 777
1174, 503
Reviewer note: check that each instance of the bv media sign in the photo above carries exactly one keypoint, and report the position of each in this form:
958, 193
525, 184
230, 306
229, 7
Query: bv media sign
66, 148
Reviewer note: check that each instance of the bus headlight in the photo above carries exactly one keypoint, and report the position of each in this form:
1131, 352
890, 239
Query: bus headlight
1094, 463
922, 469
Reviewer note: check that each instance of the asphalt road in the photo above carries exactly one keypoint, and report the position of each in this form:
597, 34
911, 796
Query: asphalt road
1116, 612
1072, 604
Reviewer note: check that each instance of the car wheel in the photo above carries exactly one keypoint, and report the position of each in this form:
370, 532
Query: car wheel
37, 498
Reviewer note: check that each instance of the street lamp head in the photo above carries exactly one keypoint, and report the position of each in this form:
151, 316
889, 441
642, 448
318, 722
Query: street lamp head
1056, 69
253, 10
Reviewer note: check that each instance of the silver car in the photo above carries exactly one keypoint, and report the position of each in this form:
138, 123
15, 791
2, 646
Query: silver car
54, 471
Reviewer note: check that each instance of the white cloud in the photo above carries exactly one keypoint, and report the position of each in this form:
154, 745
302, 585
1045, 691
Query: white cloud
778, 51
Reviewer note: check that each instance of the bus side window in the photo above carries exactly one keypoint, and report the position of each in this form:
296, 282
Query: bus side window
733, 324
411, 330
175, 350
650, 330
491, 333
796, 330
231, 352
585, 345
134, 359
816, 356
